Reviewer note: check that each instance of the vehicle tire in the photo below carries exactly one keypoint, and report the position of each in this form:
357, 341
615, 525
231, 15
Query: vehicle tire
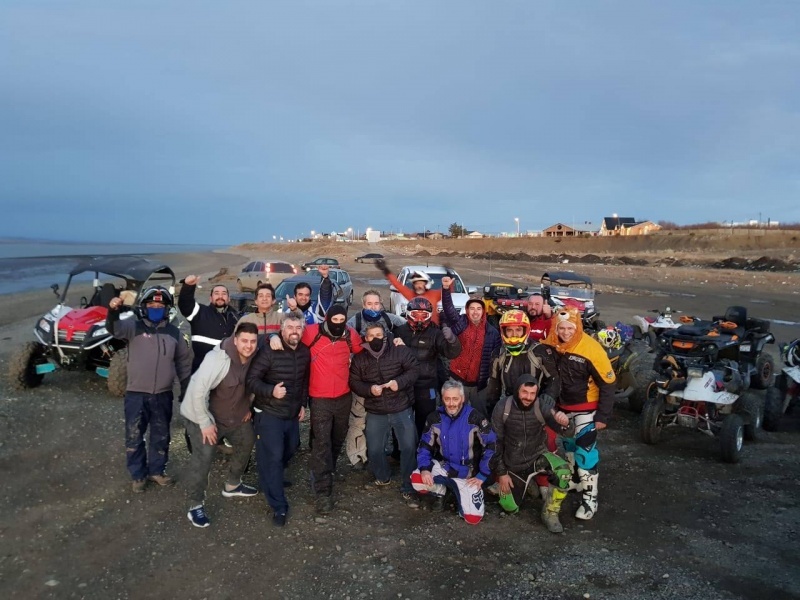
239, 285
22, 366
643, 376
652, 339
751, 404
773, 408
598, 325
118, 373
650, 428
637, 332
731, 438
764, 376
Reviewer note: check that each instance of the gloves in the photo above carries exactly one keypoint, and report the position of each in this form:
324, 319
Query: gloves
382, 266
448, 334
546, 403
184, 387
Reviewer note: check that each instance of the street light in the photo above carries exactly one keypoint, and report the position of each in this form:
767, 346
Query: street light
350, 233
517, 220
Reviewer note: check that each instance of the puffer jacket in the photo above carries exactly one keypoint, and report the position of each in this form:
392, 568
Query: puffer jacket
330, 360
271, 367
428, 345
393, 362
521, 437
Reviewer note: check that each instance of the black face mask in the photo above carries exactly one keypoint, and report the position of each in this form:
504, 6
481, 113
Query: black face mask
337, 329
303, 307
376, 344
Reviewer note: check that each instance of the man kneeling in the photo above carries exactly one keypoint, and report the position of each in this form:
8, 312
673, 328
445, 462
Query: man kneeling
521, 453
465, 441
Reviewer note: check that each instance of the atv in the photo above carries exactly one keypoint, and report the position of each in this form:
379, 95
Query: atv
703, 372
649, 328
77, 338
564, 289
499, 298
632, 369
785, 394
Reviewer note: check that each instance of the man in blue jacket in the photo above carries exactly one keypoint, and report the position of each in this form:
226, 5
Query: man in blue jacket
454, 453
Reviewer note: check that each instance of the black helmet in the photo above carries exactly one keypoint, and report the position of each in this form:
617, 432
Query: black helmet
156, 293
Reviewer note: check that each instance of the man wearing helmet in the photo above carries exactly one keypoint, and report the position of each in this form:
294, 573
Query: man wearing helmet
478, 341
157, 354
420, 283
587, 398
428, 343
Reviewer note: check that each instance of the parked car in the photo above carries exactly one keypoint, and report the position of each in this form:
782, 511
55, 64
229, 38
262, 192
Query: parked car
322, 260
369, 257
460, 292
344, 290
258, 272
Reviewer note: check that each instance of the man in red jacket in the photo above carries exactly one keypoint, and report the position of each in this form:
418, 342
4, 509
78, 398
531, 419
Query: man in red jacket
421, 284
331, 343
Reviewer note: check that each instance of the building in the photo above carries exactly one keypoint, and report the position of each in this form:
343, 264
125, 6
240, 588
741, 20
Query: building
614, 225
562, 230
640, 228
474, 235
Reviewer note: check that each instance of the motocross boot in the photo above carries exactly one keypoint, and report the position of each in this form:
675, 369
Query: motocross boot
553, 497
588, 488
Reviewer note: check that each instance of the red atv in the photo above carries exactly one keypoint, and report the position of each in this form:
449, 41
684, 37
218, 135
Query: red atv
77, 338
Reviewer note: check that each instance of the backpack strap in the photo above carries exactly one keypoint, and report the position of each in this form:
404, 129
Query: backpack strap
359, 322
537, 411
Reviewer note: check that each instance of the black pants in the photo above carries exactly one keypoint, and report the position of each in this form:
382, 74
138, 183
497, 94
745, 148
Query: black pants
424, 404
330, 419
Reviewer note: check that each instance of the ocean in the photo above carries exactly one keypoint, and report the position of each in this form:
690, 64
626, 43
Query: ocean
29, 265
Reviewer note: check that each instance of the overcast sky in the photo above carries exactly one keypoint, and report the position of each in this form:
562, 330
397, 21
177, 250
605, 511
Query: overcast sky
223, 122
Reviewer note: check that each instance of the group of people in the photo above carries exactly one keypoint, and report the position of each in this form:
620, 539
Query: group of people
464, 408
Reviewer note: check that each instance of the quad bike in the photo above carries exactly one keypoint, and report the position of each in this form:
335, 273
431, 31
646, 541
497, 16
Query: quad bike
77, 338
632, 369
564, 289
499, 298
649, 328
785, 394
703, 373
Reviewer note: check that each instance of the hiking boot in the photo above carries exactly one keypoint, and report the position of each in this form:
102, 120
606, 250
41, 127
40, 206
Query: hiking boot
197, 516
138, 485
411, 499
438, 504
324, 504
241, 491
162, 480
279, 519
553, 497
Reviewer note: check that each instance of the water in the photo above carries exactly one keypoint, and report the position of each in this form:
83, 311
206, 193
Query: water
28, 265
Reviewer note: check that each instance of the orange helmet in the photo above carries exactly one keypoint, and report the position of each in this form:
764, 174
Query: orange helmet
515, 318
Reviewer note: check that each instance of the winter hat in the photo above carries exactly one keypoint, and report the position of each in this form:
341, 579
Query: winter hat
565, 314
336, 309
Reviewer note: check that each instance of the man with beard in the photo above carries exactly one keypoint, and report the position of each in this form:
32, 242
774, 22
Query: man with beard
218, 404
210, 323
314, 310
540, 315
587, 398
279, 381
479, 341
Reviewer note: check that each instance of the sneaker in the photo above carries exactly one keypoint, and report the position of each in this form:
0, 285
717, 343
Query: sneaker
324, 504
411, 500
279, 519
380, 483
241, 490
197, 516
138, 485
162, 480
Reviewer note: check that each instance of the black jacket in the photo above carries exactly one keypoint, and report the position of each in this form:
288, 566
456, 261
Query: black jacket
506, 369
394, 362
428, 345
209, 326
271, 367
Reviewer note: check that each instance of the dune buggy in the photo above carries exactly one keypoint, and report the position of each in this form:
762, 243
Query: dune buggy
703, 372
563, 288
77, 338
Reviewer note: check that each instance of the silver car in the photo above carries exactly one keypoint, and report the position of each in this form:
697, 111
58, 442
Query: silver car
258, 272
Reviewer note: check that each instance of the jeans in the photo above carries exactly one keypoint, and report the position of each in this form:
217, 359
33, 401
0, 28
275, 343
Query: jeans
143, 410
242, 438
276, 443
329, 420
404, 428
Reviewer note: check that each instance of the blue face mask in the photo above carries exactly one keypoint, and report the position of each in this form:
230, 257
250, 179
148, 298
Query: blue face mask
156, 315
371, 315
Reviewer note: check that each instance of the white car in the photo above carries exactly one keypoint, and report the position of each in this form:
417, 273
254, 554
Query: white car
460, 292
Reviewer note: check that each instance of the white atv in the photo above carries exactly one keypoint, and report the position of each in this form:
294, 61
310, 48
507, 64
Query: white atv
785, 394
649, 328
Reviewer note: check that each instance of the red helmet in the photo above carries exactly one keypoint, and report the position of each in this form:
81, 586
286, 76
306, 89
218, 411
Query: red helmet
515, 318
419, 311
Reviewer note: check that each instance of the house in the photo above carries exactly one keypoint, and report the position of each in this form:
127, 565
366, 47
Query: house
614, 225
640, 228
474, 235
562, 230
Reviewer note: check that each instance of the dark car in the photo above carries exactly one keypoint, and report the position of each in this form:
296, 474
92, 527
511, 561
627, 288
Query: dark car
344, 287
322, 260
369, 257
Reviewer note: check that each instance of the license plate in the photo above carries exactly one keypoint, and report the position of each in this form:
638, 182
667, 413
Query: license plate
744, 348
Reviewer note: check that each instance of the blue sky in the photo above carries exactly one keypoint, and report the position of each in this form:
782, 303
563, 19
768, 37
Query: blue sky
222, 122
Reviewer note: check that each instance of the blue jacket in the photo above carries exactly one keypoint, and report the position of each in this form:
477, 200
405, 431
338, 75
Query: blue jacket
463, 444
459, 323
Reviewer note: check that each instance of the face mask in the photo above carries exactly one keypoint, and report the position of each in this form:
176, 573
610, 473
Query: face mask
156, 315
371, 315
376, 344
337, 329
304, 307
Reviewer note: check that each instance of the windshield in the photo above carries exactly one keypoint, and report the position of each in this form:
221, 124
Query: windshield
571, 292
456, 288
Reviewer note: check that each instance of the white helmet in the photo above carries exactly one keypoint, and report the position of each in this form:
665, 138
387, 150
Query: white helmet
420, 276
790, 353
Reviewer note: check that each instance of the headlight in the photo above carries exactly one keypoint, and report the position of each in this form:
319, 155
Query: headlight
100, 331
694, 372
44, 325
